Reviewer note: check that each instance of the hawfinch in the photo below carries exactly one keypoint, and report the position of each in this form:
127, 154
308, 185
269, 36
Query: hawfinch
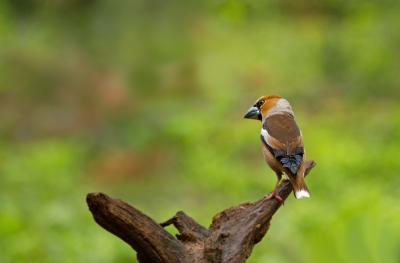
281, 142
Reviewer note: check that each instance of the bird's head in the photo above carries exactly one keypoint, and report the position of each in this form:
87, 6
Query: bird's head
262, 106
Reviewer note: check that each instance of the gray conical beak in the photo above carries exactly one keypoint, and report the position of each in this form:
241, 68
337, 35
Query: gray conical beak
253, 113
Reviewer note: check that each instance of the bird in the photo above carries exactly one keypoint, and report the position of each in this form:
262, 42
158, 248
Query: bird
281, 142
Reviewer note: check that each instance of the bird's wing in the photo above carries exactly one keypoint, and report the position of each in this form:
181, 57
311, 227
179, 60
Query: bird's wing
283, 138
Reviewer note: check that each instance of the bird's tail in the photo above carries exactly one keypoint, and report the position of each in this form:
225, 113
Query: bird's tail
299, 188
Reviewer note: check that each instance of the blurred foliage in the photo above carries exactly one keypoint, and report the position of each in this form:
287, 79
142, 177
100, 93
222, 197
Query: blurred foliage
143, 100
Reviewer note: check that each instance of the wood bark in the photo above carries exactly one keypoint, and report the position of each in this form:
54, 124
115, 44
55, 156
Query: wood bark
229, 239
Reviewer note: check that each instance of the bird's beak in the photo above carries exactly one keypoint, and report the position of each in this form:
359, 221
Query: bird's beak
253, 113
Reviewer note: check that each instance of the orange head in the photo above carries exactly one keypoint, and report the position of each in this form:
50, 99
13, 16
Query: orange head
262, 106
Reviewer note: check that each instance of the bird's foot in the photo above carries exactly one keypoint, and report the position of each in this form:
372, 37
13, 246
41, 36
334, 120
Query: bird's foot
272, 195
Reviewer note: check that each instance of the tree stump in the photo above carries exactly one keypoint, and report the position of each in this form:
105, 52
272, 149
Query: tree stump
230, 238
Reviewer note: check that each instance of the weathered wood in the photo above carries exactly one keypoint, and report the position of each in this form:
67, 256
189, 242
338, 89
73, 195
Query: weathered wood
230, 238
151, 241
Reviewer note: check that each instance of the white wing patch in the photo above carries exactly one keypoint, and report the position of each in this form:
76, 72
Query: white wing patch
264, 133
271, 141
266, 136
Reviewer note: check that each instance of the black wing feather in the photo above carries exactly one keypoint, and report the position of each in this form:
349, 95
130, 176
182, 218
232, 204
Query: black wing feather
292, 162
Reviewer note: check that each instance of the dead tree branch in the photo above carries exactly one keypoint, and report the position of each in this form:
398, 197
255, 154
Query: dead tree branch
230, 238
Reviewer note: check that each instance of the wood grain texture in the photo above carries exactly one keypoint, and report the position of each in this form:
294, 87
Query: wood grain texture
229, 239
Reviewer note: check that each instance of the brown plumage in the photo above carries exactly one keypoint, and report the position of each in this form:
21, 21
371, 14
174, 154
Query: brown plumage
281, 142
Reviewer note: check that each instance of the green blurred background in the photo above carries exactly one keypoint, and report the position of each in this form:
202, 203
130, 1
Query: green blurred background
144, 100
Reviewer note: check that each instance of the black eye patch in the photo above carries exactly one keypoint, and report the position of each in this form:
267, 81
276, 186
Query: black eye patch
260, 103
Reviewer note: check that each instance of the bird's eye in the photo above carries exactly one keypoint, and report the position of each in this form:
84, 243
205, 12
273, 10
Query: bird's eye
260, 103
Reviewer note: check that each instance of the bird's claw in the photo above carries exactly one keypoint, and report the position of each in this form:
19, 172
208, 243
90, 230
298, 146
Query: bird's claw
272, 195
